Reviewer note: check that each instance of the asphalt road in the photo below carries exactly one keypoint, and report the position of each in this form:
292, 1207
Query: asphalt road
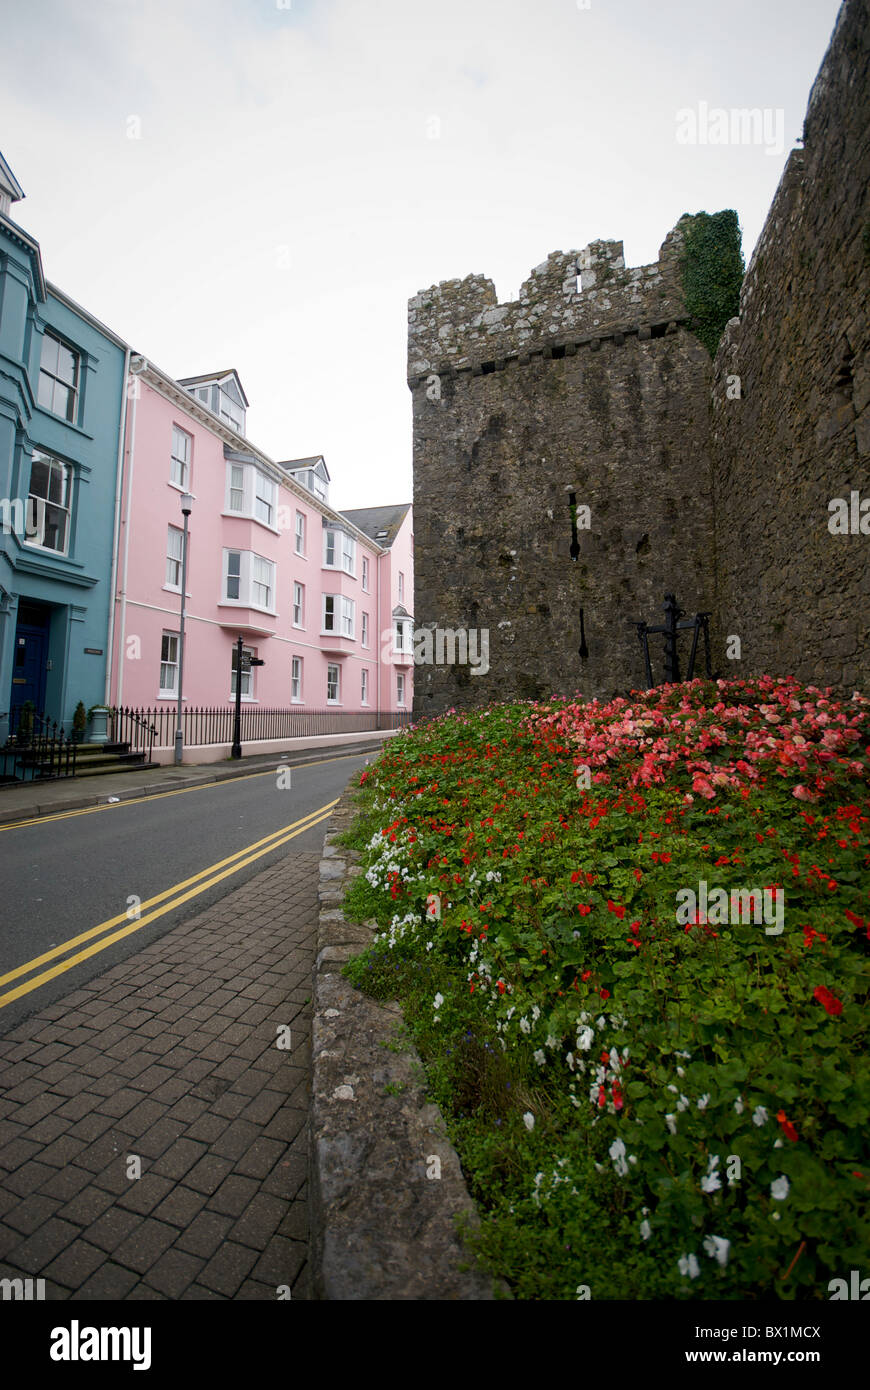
64, 875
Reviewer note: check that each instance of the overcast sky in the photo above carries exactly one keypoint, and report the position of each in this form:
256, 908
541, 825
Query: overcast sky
300, 168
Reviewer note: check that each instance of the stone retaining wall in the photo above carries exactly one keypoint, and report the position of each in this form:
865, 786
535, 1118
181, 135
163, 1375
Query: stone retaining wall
381, 1227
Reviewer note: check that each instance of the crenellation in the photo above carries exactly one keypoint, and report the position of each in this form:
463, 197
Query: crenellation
570, 297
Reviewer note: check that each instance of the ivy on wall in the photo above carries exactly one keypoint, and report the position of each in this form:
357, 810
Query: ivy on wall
712, 269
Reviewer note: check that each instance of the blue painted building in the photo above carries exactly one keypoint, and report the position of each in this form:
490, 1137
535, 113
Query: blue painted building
62, 376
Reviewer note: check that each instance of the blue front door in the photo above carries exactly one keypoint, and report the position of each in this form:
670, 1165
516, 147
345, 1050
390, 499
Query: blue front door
28, 668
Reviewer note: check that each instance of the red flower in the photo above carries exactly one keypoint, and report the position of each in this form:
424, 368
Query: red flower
619, 909
583, 909
786, 1126
604, 993
501, 986
832, 1004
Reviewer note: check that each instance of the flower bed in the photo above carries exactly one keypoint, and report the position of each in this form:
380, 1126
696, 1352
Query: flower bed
631, 944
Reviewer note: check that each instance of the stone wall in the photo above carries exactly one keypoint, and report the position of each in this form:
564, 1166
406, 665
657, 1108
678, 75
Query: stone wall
799, 436
600, 385
597, 387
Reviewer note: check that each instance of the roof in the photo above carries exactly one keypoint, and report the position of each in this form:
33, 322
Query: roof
295, 465
9, 182
375, 520
214, 376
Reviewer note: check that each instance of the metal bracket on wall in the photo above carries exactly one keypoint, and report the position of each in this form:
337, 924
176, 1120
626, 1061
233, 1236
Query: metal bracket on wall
670, 627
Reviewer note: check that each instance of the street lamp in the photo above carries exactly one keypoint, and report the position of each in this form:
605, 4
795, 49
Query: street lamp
186, 507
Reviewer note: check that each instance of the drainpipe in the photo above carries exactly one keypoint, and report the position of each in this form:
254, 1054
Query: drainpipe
119, 486
141, 364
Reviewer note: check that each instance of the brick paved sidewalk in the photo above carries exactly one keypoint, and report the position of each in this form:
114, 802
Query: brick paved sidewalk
171, 1056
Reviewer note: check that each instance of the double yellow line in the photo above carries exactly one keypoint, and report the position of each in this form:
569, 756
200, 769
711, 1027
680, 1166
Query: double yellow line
169, 899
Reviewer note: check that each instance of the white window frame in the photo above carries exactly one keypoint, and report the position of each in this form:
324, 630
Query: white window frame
348, 554
330, 542
335, 625
265, 493
179, 462
249, 565
298, 604
296, 674
402, 629
348, 617
335, 699
57, 383
250, 493
400, 689
365, 573
364, 686
365, 630
300, 533
401, 587
225, 596
37, 506
169, 663
229, 410
174, 563
235, 485
262, 578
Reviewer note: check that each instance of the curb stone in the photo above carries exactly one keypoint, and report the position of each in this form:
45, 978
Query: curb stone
381, 1229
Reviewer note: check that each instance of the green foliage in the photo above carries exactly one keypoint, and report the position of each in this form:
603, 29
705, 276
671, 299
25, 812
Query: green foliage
648, 1108
712, 270
80, 717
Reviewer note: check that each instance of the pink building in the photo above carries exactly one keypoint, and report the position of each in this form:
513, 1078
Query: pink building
323, 599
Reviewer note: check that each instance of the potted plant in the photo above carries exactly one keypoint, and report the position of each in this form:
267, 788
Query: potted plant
24, 732
80, 720
99, 717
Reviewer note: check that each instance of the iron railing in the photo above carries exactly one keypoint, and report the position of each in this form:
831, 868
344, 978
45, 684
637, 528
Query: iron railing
136, 729
205, 725
36, 751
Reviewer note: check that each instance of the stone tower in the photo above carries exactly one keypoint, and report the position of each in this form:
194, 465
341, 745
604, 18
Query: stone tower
589, 384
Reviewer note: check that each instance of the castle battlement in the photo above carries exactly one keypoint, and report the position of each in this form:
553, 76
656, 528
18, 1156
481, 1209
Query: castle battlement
573, 298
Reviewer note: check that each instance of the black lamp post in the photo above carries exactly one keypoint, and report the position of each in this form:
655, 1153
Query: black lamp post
186, 507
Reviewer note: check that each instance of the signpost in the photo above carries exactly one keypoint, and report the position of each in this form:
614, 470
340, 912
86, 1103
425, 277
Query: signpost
242, 661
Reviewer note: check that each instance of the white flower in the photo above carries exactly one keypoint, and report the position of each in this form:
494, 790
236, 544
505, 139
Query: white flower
617, 1153
525, 1026
645, 1229
551, 1041
738, 1105
540, 1057
759, 1115
529, 1120
779, 1188
671, 1122
680, 1072
688, 1264
703, 1102
711, 1182
683, 1103
438, 1001
585, 1038
717, 1248
570, 1060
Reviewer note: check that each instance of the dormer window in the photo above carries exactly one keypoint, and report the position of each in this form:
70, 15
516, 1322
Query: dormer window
223, 394
231, 411
311, 473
